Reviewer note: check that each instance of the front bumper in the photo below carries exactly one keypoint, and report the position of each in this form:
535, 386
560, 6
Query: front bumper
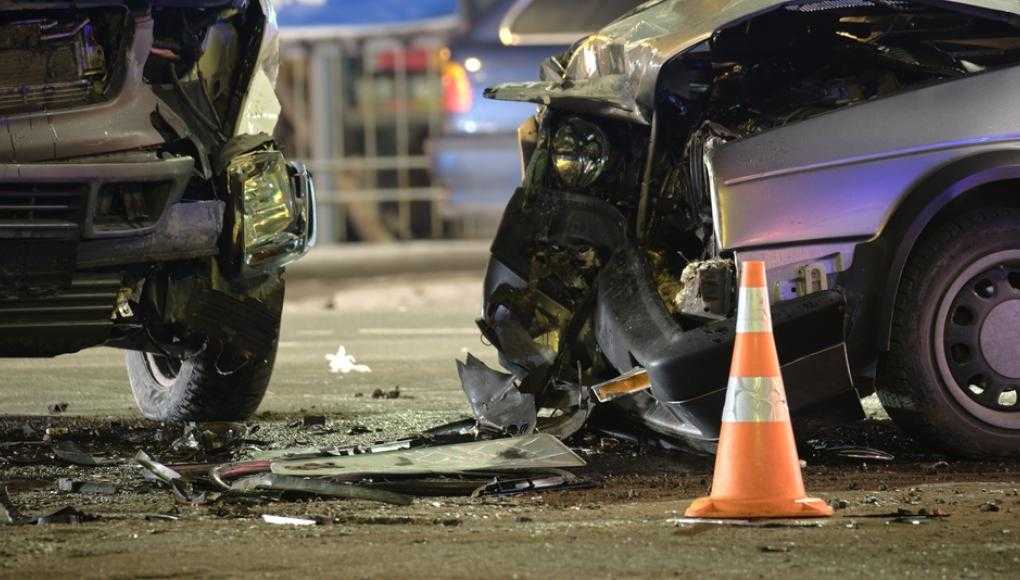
688, 368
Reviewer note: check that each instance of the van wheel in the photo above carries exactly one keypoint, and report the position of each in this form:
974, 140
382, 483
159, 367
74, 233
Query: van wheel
952, 374
198, 388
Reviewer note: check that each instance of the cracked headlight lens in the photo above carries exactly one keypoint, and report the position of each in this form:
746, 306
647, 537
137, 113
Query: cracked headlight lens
272, 225
580, 153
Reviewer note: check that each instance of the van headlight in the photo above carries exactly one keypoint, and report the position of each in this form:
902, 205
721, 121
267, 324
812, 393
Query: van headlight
274, 221
580, 153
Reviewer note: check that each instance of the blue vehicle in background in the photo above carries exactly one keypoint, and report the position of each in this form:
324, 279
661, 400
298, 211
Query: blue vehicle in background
476, 156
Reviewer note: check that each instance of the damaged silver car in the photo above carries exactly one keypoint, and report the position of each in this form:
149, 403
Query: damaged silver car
866, 150
143, 202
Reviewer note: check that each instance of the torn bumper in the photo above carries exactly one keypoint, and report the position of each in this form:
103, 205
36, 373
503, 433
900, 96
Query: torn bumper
689, 368
631, 326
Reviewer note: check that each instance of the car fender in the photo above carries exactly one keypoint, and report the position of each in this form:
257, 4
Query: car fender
879, 263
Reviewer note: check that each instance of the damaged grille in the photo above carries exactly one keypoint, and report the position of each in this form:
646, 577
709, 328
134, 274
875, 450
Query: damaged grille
41, 210
87, 301
56, 62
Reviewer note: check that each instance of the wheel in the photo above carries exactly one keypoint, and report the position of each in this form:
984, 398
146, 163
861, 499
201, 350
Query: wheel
227, 380
952, 374
196, 389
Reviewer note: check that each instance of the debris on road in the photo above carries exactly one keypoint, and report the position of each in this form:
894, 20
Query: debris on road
821, 449
497, 404
209, 437
64, 515
8, 513
85, 487
554, 480
313, 421
319, 487
344, 363
540, 451
71, 453
288, 521
57, 408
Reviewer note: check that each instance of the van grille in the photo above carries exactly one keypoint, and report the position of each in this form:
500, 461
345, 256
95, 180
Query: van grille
41, 210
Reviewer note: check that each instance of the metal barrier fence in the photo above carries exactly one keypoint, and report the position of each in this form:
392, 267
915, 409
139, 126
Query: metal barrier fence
359, 113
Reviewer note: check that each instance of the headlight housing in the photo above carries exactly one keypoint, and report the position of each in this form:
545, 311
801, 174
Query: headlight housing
274, 220
580, 153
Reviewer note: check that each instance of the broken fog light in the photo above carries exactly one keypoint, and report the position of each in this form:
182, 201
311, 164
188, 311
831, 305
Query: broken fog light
580, 152
275, 215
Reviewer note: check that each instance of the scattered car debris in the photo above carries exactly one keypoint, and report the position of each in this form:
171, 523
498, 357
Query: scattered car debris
163, 474
64, 515
513, 453
85, 487
209, 437
71, 453
554, 480
8, 513
57, 408
824, 449
990, 506
314, 421
775, 548
344, 363
495, 400
288, 521
391, 394
319, 487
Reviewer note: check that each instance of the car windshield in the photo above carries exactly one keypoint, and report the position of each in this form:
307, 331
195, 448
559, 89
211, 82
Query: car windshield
575, 18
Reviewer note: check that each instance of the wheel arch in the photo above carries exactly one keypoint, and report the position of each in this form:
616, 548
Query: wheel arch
964, 184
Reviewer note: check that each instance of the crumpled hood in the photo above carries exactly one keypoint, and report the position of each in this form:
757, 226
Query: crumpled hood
614, 71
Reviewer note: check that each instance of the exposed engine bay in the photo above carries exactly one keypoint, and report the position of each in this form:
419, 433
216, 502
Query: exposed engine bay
609, 263
60, 60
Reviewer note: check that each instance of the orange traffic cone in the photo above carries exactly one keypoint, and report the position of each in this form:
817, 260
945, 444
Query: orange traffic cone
757, 471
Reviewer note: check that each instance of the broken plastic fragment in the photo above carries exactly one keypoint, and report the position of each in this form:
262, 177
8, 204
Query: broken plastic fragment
342, 362
539, 451
288, 521
494, 398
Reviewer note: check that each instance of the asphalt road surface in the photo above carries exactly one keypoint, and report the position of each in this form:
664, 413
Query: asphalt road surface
409, 332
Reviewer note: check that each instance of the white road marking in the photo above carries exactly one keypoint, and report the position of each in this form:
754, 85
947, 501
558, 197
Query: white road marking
465, 331
312, 332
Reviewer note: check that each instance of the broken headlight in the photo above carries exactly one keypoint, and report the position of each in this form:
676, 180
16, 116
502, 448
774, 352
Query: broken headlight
275, 212
580, 152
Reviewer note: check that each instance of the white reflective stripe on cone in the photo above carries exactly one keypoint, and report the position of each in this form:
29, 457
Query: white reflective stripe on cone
755, 399
753, 313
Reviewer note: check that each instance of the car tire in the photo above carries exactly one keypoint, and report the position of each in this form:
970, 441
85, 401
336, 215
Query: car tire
952, 374
218, 383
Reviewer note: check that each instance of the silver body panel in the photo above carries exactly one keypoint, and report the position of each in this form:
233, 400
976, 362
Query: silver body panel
843, 174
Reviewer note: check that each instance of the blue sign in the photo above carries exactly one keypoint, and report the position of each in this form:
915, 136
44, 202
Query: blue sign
321, 17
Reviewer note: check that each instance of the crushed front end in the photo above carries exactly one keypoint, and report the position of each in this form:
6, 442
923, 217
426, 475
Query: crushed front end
135, 157
616, 259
